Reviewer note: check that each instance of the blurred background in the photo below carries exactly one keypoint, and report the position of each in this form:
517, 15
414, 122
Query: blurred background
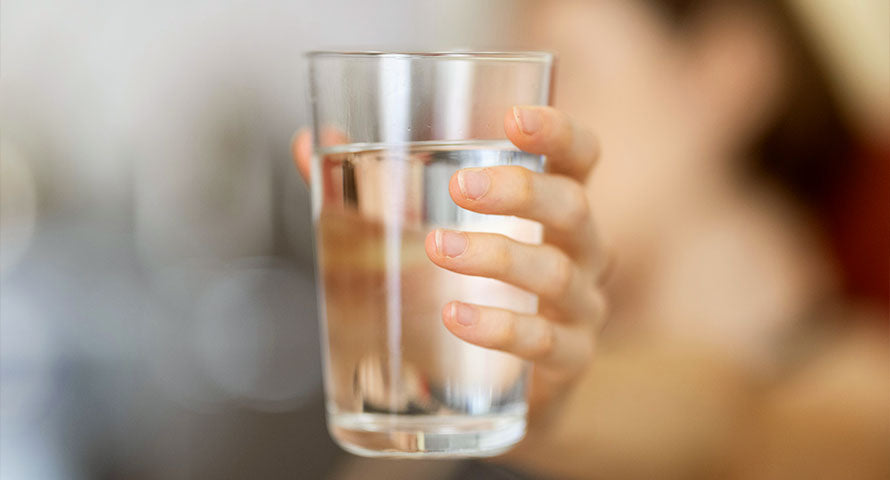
157, 304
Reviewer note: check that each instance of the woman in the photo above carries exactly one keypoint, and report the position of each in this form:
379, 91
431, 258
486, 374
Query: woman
698, 121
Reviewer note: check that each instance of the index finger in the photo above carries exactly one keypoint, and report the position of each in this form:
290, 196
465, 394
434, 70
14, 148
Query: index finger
571, 149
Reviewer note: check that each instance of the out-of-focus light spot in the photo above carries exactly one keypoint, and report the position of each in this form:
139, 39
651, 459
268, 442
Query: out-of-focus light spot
18, 207
256, 336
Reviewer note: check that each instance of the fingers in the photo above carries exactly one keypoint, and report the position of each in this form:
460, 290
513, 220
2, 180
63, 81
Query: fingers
541, 269
570, 148
532, 337
301, 149
558, 202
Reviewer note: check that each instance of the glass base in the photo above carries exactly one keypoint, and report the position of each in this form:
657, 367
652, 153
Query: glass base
426, 436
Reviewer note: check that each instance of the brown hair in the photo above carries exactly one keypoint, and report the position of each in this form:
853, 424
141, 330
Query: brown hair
810, 151
808, 146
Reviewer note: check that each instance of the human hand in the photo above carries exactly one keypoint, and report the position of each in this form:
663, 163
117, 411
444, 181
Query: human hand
563, 272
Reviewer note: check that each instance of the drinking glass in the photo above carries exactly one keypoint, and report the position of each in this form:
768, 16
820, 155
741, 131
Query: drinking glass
390, 129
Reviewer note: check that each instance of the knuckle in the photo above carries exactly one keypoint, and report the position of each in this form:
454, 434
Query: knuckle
600, 308
560, 278
593, 147
564, 136
586, 149
500, 259
544, 344
576, 210
504, 336
581, 145
524, 189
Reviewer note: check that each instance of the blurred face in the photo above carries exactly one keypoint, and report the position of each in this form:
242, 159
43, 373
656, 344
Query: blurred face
672, 108
701, 255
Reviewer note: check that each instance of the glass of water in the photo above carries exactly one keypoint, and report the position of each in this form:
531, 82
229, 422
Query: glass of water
390, 129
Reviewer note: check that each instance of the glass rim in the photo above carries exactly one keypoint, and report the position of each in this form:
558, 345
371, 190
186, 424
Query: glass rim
510, 56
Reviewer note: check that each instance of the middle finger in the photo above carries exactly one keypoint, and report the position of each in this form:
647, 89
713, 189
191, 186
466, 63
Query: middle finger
541, 269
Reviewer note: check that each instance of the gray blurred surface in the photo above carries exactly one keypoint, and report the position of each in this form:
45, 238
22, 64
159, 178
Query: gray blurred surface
157, 302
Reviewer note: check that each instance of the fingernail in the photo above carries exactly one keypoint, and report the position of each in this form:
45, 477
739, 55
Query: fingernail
463, 314
528, 119
473, 183
450, 244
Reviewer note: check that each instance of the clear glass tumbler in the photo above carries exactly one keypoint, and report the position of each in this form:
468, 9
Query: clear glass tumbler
390, 130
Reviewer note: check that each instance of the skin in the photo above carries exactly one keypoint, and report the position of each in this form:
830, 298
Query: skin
564, 271
708, 368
